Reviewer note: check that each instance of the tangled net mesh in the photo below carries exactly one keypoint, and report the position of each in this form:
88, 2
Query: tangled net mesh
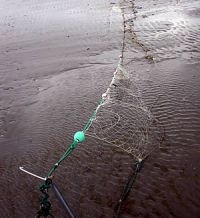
123, 120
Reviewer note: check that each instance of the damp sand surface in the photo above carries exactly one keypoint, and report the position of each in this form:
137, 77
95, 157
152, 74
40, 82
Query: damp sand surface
56, 59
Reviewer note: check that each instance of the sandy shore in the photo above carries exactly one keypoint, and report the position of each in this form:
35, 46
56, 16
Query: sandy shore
56, 60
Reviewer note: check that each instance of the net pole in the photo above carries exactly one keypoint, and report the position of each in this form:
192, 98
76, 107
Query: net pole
66, 207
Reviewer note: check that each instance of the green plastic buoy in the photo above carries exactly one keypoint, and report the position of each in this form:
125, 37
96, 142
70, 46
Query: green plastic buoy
79, 136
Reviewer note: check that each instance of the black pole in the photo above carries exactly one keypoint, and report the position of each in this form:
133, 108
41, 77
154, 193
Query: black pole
62, 201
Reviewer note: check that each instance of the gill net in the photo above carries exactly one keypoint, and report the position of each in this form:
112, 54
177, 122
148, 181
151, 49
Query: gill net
122, 120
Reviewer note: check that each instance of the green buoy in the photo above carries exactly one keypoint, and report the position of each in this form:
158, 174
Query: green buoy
79, 136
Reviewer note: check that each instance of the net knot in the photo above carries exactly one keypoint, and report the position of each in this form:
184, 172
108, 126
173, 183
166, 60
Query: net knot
45, 204
138, 166
45, 208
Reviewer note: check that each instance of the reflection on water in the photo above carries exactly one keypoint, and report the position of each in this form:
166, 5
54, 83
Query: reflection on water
171, 31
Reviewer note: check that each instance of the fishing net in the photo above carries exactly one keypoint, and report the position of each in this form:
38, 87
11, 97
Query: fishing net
123, 120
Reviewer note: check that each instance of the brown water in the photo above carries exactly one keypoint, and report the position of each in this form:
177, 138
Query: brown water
56, 59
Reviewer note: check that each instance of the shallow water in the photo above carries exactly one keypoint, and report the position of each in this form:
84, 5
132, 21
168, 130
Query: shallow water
167, 36
57, 58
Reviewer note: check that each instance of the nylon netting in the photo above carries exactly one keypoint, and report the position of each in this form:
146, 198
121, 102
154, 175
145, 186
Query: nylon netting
123, 120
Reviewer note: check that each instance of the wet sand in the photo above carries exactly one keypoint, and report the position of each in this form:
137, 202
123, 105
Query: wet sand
57, 58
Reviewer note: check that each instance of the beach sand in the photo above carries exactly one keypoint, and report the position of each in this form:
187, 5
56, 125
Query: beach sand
56, 60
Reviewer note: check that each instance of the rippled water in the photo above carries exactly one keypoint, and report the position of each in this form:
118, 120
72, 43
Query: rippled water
53, 73
167, 36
